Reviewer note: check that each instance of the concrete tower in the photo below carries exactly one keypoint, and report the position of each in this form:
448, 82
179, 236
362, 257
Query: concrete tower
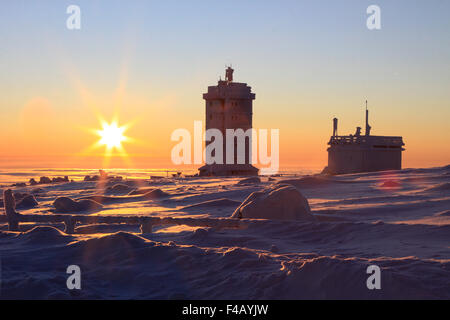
229, 105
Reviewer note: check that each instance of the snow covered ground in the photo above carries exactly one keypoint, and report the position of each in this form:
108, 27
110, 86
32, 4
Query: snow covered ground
398, 220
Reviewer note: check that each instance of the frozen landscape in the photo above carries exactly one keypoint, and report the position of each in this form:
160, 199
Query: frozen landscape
398, 220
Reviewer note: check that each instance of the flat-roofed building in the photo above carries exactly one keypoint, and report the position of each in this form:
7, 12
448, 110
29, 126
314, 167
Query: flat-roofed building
363, 153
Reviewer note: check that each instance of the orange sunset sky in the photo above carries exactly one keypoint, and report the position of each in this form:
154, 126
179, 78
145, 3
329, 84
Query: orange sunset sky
148, 65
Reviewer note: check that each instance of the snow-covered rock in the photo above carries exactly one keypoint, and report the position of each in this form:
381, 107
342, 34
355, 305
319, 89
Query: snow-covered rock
27, 202
67, 205
280, 202
251, 180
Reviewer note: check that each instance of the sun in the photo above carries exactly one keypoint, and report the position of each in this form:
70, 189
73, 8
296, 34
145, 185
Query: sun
111, 135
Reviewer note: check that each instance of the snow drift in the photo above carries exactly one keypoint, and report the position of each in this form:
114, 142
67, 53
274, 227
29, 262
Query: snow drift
405, 231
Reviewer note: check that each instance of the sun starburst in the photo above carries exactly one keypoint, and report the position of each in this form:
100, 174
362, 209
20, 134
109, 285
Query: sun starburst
111, 135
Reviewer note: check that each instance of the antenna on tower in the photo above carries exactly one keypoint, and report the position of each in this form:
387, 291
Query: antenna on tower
368, 127
229, 74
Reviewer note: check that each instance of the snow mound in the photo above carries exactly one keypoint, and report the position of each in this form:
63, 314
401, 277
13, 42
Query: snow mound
44, 235
440, 187
27, 202
155, 194
279, 202
119, 189
199, 233
116, 242
251, 180
67, 205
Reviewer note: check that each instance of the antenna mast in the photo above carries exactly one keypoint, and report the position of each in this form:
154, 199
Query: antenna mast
367, 121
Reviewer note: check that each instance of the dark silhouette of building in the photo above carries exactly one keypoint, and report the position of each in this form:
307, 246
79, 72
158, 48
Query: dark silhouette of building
229, 105
363, 153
